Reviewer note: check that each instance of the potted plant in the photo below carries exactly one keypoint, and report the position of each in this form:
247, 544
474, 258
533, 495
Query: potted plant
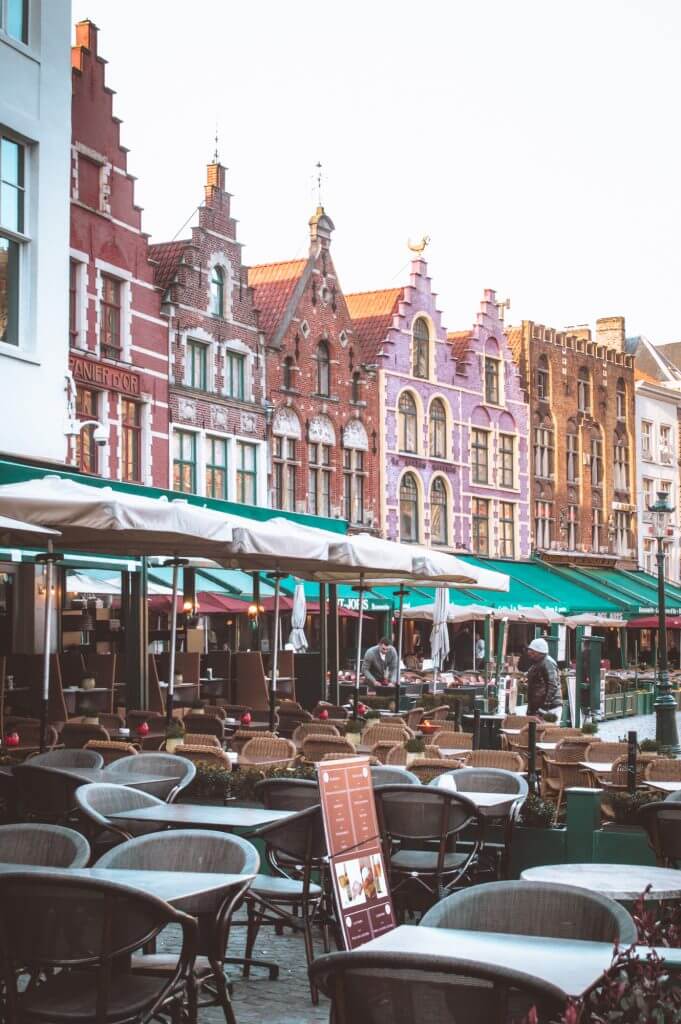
590, 728
415, 748
537, 812
353, 729
649, 746
174, 735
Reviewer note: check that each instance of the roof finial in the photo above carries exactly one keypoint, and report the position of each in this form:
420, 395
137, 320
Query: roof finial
318, 167
418, 247
216, 155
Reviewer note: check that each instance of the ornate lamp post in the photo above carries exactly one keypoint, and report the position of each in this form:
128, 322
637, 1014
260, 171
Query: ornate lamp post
666, 731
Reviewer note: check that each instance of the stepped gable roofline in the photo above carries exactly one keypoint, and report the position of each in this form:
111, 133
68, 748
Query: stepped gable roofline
372, 316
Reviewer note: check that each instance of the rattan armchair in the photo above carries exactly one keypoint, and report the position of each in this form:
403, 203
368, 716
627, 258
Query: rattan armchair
74, 735
378, 731
396, 755
315, 747
563, 771
509, 760
243, 736
111, 750
382, 750
414, 718
438, 714
205, 724
427, 768
306, 729
556, 733
201, 753
46, 845
663, 769
201, 739
177, 773
273, 751
605, 752
452, 740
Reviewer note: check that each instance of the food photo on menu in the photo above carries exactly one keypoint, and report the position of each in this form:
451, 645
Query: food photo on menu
350, 883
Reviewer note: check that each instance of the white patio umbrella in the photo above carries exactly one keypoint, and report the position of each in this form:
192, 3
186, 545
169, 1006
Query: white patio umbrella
297, 637
439, 635
13, 531
455, 612
594, 619
79, 583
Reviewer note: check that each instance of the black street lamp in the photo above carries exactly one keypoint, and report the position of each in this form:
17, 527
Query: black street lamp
666, 731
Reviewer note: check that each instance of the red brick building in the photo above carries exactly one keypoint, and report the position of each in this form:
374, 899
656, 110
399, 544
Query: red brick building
118, 339
322, 396
218, 445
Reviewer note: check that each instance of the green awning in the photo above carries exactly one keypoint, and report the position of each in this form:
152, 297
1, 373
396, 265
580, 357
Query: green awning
636, 590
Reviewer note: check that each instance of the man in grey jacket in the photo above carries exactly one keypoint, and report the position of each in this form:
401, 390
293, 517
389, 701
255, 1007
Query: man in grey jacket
379, 666
543, 681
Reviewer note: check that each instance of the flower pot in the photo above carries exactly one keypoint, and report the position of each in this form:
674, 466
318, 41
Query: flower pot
88, 683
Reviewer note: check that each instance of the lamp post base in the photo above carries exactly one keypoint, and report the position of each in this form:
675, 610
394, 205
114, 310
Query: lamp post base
666, 729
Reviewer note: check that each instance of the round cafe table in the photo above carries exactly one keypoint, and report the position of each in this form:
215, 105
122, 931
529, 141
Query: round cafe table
622, 882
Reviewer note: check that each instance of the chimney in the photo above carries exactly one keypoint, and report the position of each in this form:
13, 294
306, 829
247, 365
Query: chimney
86, 35
321, 227
215, 179
610, 332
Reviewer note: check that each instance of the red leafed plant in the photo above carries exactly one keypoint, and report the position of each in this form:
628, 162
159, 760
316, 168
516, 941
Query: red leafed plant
658, 924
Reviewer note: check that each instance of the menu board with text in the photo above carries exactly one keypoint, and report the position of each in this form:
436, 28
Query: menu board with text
360, 882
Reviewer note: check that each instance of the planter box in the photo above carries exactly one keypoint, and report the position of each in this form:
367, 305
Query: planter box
534, 847
622, 844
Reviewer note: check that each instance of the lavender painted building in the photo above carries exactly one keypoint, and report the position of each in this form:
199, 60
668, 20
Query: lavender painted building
453, 458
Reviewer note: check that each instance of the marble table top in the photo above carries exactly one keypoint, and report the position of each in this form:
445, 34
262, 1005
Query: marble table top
619, 881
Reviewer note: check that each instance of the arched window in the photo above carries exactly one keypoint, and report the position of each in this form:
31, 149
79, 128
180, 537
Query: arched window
438, 511
584, 390
357, 386
438, 430
543, 379
323, 369
421, 345
407, 423
217, 292
621, 400
288, 374
409, 509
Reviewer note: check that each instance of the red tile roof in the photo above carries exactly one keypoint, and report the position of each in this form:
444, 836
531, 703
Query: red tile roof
372, 314
515, 341
461, 342
273, 285
167, 256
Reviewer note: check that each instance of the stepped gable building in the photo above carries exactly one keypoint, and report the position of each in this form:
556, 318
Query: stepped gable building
320, 391
118, 340
453, 422
217, 369
580, 389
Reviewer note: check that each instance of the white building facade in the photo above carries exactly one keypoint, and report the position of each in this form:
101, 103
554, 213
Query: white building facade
657, 434
35, 139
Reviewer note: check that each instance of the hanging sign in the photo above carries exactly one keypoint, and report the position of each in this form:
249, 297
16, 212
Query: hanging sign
360, 883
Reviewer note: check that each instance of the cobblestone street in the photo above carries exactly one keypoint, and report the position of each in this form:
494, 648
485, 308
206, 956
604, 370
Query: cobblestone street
643, 725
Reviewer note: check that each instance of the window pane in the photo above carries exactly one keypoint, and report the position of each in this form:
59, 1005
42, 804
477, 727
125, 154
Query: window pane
11, 185
409, 525
17, 20
9, 291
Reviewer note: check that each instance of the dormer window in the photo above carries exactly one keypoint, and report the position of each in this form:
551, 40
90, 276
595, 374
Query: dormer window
217, 292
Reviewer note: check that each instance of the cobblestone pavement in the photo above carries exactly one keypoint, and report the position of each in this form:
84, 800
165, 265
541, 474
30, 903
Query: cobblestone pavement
643, 725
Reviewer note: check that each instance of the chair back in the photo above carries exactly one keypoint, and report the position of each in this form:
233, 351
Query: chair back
98, 801
535, 908
199, 739
268, 750
483, 780
301, 836
200, 753
414, 718
663, 769
241, 737
287, 794
392, 775
376, 987
48, 922
446, 739
45, 845
662, 822
185, 850
306, 729
506, 759
66, 758
111, 750
74, 735
605, 752
250, 685
556, 733
439, 714
316, 746
423, 814
378, 731
428, 768
397, 755
177, 772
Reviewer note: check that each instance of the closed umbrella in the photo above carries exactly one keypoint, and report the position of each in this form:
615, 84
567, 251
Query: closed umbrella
297, 637
439, 635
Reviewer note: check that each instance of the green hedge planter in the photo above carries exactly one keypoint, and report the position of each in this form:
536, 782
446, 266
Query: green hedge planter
534, 847
622, 844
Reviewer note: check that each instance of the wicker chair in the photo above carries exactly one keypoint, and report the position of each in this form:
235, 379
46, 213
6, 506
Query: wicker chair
381, 750
306, 729
201, 739
177, 773
556, 733
315, 747
605, 752
662, 822
111, 750
663, 769
200, 753
392, 775
414, 718
243, 736
562, 771
506, 759
98, 801
397, 755
67, 759
109, 922
291, 718
274, 751
378, 731
452, 740
49, 846
534, 908
416, 990
427, 768
439, 714
518, 721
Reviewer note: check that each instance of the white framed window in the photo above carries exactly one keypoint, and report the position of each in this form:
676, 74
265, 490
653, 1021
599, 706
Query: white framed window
649, 552
13, 238
623, 538
196, 365
506, 529
319, 478
354, 478
14, 19
597, 530
543, 452
648, 495
646, 439
543, 524
284, 472
666, 445
246, 473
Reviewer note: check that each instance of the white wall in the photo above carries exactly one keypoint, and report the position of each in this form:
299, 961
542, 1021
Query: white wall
659, 408
35, 106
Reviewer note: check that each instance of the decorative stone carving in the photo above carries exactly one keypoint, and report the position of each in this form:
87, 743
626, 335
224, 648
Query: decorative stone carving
286, 423
321, 431
219, 417
248, 423
186, 409
355, 436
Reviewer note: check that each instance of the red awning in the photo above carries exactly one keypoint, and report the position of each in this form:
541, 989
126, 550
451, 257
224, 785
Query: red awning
650, 622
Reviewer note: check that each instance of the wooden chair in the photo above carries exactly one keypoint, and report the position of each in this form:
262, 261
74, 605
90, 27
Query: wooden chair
272, 751
314, 747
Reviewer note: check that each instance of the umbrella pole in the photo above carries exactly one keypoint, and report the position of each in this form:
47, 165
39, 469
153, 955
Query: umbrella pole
175, 563
275, 652
360, 590
400, 626
49, 559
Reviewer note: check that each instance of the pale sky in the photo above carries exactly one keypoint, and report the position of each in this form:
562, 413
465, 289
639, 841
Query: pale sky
536, 141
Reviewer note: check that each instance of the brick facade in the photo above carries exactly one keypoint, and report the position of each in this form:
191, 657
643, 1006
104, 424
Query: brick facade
432, 400
321, 395
580, 389
118, 340
217, 368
